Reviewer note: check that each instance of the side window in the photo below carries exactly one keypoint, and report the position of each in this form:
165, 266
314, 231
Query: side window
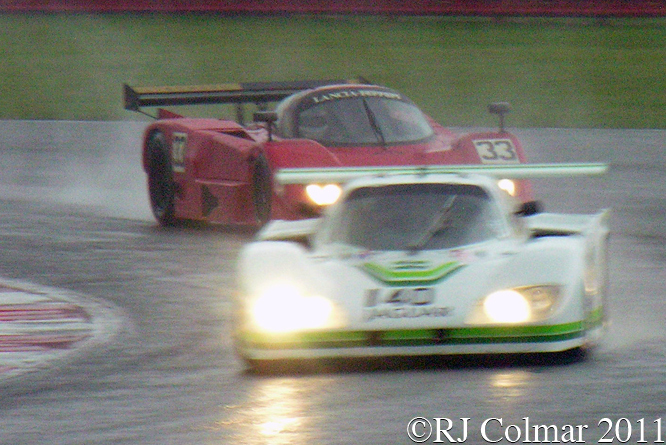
313, 123
400, 121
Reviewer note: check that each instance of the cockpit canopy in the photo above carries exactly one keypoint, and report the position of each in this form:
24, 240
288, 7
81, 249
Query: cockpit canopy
426, 216
352, 116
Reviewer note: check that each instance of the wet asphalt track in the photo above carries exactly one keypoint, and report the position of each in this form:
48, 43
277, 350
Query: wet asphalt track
73, 215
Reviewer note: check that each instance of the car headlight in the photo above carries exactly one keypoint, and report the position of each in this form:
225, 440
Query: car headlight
323, 195
508, 186
518, 305
285, 308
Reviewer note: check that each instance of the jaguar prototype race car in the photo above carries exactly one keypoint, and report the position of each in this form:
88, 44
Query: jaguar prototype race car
222, 171
423, 261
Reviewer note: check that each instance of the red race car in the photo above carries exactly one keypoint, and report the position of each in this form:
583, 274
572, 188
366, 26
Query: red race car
222, 171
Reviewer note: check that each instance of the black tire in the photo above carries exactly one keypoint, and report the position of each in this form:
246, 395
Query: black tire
269, 367
570, 356
258, 367
262, 190
161, 188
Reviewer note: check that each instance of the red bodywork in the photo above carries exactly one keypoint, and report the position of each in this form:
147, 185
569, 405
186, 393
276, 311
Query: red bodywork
214, 163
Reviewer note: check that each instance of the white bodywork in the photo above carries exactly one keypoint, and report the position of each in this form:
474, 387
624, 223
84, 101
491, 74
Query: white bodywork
303, 296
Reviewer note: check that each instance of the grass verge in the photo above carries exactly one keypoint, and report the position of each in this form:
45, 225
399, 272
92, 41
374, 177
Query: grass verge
572, 73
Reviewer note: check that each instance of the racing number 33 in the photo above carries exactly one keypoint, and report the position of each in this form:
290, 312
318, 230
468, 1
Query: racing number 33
496, 151
178, 147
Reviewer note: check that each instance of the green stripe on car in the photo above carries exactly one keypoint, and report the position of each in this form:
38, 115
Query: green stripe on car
417, 337
399, 276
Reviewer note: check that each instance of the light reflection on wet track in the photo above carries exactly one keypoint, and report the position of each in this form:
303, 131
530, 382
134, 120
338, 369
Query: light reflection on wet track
172, 378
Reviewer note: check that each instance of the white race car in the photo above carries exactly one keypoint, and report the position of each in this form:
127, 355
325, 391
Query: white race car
423, 262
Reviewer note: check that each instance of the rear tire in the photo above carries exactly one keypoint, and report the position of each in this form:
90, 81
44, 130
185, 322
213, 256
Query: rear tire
161, 188
262, 190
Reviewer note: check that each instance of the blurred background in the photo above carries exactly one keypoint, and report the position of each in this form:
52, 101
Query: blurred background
563, 64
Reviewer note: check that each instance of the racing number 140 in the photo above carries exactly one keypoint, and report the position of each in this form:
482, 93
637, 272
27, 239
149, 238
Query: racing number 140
418, 296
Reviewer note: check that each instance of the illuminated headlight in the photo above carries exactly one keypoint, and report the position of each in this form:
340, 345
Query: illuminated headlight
323, 195
284, 308
519, 305
508, 186
506, 306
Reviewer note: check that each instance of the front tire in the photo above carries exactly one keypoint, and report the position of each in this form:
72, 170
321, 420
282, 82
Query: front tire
161, 188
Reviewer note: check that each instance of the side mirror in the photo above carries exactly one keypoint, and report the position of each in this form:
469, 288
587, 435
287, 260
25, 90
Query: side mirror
530, 208
270, 117
265, 116
500, 109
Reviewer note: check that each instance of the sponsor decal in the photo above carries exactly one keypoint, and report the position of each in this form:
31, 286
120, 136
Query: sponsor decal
348, 94
402, 303
464, 255
364, 255
370, 314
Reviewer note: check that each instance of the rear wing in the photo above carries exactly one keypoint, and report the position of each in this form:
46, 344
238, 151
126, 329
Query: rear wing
521, 171
258, 93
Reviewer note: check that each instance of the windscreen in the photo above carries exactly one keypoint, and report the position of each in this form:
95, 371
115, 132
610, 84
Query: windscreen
363, 120
415, 217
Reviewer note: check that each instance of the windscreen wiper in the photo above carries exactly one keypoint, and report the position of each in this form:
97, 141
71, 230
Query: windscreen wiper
373, 123
438, 223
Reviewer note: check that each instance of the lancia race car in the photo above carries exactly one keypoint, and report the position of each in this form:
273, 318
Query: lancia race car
222, 171
431, 261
